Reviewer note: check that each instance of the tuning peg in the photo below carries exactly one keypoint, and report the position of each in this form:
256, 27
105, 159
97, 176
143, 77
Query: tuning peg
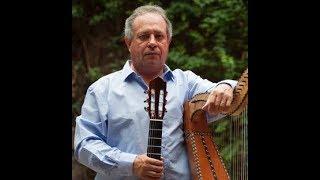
146, 109
164, 109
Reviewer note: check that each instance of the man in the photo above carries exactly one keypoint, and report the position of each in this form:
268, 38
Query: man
112, 131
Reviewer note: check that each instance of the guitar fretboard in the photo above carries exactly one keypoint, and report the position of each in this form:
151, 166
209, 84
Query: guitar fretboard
154, 141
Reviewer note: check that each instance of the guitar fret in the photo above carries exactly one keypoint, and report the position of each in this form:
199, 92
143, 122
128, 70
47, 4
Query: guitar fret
154, 146
154, 138
154, 155
154, 149
155, 125
155, 134
160, 120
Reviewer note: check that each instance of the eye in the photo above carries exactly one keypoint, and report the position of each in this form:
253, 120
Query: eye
159, 37
143, 37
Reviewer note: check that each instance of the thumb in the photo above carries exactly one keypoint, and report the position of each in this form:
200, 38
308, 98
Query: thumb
205, 106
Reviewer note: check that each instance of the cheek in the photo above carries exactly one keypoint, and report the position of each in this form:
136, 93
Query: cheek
164, 50
135, 51
139, 49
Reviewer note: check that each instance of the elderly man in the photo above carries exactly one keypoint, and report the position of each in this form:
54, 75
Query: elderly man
112, 131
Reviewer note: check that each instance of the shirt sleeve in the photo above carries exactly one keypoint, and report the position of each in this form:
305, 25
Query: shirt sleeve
90, 144
197, 85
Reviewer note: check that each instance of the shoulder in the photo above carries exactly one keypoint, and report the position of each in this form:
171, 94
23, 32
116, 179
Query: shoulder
103, 83
183, 72
187, 75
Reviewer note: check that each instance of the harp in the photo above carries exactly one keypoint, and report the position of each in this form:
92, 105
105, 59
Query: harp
221, 154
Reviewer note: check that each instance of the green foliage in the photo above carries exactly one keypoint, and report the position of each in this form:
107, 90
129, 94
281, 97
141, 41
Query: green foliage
209, 33
76, 105
115, 66
105, 10
227, 62
77, 11
94, 74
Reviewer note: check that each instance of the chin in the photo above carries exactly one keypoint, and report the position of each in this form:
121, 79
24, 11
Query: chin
153, 68
152, 62
152, 59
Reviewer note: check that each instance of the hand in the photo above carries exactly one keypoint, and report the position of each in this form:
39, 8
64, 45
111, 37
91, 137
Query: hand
147, 168
219, 100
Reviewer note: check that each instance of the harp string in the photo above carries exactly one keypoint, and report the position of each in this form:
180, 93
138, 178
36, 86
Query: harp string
231, 135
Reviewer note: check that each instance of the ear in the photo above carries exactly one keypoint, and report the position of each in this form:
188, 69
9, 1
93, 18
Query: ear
128, 43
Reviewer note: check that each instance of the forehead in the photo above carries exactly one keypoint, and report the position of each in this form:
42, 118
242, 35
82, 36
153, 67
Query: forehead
149, 22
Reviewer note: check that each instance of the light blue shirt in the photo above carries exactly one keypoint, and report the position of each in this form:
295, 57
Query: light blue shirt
113, 126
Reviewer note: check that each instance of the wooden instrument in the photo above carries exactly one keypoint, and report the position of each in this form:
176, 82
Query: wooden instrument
156, 108
204, 158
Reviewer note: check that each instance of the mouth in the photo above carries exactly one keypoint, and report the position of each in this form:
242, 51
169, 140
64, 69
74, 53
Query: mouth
151, 54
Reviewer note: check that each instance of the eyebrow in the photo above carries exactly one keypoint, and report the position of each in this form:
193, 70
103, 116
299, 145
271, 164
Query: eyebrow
147, 32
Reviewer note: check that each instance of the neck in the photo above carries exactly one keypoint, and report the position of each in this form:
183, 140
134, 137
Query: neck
147, 77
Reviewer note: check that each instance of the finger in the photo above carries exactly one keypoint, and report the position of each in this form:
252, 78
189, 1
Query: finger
213, 109
151, 167
209, 101
154, 174
229, 101
222, 105
223, 102
205, 106
155, 162
218, 99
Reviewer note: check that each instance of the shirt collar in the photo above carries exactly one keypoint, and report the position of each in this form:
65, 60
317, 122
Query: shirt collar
167, 75
127, 72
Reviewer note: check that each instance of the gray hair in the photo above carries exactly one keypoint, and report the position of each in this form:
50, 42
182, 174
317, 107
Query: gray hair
141, 11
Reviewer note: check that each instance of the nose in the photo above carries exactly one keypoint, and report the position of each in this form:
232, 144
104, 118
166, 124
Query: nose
152, 42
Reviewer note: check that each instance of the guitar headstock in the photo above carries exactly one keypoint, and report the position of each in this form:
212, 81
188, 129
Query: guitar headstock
156, 98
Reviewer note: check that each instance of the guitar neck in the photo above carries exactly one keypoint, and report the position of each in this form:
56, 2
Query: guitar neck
154, 139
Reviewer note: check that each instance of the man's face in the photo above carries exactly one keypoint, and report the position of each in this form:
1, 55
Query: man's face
149, 45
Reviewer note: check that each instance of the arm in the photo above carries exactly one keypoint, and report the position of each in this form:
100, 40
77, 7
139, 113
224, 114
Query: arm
90, 144
221, 93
